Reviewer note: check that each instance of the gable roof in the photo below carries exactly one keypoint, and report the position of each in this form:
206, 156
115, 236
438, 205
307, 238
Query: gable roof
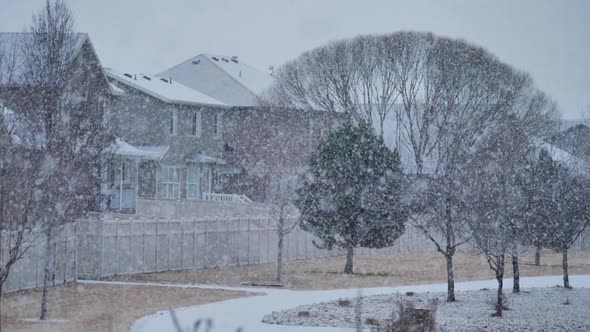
225, 78
163, 89
11, 52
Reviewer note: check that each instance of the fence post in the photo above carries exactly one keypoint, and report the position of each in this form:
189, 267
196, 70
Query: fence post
117, 247
66, 255
227, 246
260, 220
101, 270
268, 241
238, 239
143, 264
169, 242
76, 251
181, 243
131, 236
36, 264
249, 239
206, 263
193, 255
156, 247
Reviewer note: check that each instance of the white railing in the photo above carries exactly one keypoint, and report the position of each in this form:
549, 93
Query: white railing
226, 198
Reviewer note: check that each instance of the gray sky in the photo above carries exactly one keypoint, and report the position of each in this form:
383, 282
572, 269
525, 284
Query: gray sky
549, 39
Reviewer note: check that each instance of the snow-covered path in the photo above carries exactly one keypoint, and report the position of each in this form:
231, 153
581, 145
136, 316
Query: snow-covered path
248, 312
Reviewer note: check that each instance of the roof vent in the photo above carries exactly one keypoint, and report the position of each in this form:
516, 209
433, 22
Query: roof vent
128, 75
196, 62
234, 57
164, 80
147, 78
224, 59
215, 58
234, 60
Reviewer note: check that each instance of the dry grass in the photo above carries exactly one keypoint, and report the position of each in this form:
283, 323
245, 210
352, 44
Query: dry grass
90, 308
371, 271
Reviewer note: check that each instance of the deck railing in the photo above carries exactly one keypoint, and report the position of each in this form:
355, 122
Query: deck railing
226, 198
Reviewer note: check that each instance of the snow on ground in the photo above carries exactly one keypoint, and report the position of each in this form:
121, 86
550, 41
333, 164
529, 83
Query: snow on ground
248, 312
536, 309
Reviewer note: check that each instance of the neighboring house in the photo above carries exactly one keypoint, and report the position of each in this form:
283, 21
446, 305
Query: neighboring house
22, 90
575, 139
193, 133
224, 78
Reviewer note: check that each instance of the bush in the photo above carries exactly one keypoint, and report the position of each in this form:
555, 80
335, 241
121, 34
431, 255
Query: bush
411, 319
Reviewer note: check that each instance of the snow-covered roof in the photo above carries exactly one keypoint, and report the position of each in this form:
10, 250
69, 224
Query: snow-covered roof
573, 162
116, 90
123, 148
223, 77
11, 64
163, 89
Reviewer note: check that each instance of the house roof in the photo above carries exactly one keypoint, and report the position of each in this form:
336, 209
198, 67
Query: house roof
163, 89
223, 77
11, 52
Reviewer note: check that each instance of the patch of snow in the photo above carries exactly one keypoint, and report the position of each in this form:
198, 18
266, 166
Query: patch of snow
536, 309
248, 312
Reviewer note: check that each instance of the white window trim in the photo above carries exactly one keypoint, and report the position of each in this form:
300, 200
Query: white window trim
164, 182
198, 167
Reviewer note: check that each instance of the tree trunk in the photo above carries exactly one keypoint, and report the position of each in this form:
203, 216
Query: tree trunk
499, 278
281, 234
566, 278
515, 274
538, 256
46, 273
450, 279
349, 257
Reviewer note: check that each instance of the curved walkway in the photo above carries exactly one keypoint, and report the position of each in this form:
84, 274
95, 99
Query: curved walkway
247, 312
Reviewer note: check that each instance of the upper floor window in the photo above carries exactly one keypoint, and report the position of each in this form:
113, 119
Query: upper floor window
217, 124
196, 123
173, 122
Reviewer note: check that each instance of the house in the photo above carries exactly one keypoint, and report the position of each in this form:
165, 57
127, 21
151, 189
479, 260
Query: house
224, 78
65, 92
193, 134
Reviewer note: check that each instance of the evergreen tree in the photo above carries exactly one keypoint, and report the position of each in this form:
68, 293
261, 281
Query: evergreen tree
351, 195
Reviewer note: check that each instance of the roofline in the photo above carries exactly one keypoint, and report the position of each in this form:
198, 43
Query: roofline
160, 97
231, 76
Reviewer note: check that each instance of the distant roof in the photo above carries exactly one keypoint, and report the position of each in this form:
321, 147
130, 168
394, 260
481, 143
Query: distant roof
163, 89
11, 66
225, 78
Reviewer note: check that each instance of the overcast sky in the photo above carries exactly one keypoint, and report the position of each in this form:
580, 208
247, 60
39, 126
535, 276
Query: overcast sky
549, 39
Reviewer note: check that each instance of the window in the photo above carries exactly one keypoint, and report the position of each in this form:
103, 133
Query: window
192, 182
217, 124
196, 124
123, 172
173, 122
170, 182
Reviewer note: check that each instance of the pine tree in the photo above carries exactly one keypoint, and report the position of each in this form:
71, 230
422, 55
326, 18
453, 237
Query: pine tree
351, 195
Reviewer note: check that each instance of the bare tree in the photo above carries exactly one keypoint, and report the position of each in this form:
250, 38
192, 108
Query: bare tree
473, 90
283, 176
61, 94
498, 199
18, 165
353, 77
